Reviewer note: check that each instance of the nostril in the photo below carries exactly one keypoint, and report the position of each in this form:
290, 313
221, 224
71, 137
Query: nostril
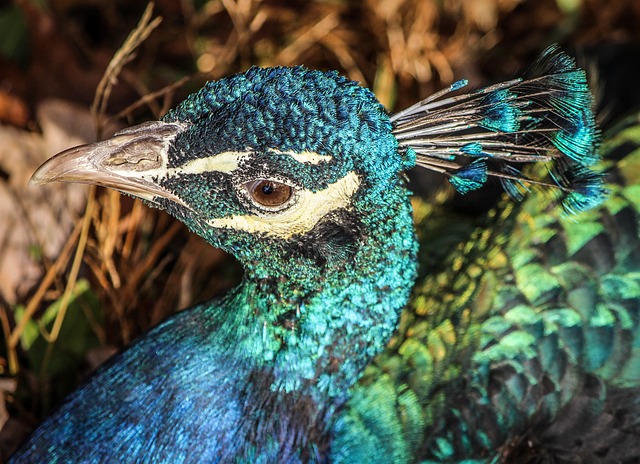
135, 157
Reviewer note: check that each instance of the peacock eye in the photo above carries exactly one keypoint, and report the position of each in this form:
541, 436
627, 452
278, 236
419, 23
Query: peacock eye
269, 193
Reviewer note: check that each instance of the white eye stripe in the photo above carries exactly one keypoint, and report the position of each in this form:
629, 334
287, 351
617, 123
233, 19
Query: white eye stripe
225, 162
302, 216
305, 157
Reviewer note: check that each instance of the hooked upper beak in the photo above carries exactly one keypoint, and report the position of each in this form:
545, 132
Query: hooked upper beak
129, 161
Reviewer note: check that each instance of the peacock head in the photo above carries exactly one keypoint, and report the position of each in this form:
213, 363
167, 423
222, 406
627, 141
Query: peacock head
276, 154
306, 164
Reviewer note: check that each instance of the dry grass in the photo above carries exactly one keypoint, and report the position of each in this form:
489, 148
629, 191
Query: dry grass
142, 264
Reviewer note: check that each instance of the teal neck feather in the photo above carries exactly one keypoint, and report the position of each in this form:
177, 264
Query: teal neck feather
317, 306
316, 327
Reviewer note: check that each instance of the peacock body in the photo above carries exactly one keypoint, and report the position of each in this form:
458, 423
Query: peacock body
518, 341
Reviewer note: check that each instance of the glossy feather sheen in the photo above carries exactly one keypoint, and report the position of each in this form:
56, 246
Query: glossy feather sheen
259, 375
520, 334
472, 136
527, 348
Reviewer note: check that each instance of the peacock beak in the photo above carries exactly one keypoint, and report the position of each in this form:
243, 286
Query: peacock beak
130, 161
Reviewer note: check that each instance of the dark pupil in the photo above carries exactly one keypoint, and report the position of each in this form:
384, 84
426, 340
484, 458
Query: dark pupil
268, 188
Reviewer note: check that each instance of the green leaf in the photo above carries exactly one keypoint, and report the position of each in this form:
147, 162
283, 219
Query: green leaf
58, 365
14, 40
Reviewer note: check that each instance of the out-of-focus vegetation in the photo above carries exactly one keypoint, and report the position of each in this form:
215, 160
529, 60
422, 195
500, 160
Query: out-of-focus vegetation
123, 267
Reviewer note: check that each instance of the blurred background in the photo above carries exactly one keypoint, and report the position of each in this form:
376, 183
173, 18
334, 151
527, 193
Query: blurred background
84, 271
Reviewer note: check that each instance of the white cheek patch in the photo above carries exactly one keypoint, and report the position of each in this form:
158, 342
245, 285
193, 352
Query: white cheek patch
299, 218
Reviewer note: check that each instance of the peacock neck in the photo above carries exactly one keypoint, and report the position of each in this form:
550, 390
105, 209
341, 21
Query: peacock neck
315, 328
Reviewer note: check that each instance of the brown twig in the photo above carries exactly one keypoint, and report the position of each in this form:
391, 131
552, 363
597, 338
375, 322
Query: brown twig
48, 279
123, 56
146, 99
75, 269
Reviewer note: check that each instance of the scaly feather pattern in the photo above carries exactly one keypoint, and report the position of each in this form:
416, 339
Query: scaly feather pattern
522, 344
525, 329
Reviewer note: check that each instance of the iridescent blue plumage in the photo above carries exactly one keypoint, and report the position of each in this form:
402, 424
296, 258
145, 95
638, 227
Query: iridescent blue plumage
500, 111
259, 374
512, 122
470, 177
300, 175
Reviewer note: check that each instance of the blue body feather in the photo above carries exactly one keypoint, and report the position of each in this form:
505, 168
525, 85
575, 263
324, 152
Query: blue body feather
300, 362
228, 381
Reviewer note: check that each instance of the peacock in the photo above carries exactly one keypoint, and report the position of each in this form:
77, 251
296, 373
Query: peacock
511, 337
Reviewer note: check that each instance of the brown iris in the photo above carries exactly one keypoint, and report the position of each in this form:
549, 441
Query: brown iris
269, 193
